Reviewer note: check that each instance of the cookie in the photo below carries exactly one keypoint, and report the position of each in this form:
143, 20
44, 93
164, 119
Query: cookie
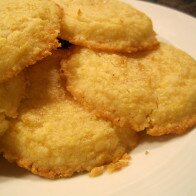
29, 29
54, 136
153, 91
107, 25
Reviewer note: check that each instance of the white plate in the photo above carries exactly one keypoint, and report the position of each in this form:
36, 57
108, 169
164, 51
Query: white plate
169, 168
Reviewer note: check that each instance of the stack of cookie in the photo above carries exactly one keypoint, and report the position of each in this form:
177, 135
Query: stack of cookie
81, 108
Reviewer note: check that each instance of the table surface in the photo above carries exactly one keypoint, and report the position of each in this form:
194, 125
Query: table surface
186, 6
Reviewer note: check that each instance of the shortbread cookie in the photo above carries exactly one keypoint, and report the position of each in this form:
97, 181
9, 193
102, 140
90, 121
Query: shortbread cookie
153, 91
107, 25
28, 32
55, 137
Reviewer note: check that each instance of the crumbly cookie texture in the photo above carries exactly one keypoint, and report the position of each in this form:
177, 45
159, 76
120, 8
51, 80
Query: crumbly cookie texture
54, 136
11, 94
153, 91
98, 24
28, 33
112, 167
4, 124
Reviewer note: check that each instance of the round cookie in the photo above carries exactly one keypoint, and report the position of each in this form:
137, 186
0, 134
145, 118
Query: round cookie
28, 33
55, 137
11, 94
98, 24
153, 91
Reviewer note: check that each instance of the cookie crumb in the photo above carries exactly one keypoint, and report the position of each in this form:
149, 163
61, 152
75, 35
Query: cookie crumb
123, 162
146, 153
97, 171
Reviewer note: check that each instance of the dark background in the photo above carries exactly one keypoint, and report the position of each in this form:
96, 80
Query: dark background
187, 6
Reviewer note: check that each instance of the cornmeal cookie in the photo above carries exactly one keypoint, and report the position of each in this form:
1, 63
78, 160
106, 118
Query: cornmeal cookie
107, 25
153, 91
11, 94
54, 136
28, 33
